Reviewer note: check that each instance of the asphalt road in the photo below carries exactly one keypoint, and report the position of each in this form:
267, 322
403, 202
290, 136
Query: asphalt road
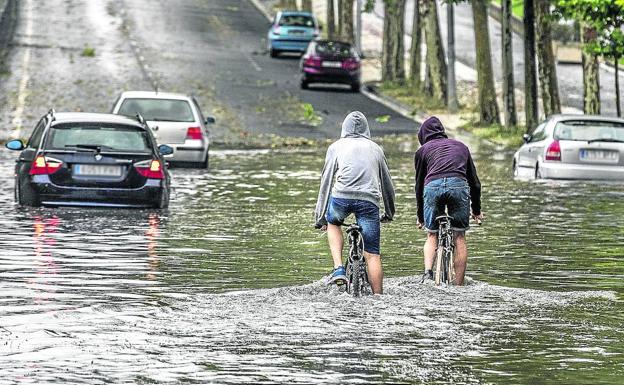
213, 49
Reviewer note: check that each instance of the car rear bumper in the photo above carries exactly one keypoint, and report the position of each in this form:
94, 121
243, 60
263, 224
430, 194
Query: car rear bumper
188, 152
552, 170
290, 45
320, 77
148, 195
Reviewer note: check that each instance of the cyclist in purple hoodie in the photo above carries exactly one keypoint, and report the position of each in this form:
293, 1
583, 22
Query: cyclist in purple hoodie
446, 180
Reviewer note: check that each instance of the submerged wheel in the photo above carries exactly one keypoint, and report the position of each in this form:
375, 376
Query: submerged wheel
304, 85
355, 87
273, 52
354, 280
515, 170
164, 200
25, 195
538, 172
450, 269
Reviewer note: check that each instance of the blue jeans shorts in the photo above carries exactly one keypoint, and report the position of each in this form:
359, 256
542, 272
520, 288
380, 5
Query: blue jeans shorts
447, 196
366, 215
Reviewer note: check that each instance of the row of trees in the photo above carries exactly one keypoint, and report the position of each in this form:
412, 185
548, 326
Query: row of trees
600, 21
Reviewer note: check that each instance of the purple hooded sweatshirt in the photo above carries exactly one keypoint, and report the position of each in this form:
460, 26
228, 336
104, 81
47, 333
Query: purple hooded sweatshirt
441, 157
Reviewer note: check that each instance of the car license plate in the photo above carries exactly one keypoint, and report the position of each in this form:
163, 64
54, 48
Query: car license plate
97, 170
296, 32
332, 64
606, 156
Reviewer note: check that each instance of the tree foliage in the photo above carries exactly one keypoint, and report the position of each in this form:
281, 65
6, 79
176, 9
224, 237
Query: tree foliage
606, 17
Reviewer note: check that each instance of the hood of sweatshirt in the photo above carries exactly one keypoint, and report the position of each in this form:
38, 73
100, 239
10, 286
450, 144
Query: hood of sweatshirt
355, 125
431, 129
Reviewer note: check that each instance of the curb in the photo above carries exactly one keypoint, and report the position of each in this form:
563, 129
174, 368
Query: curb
8, 21
366, 90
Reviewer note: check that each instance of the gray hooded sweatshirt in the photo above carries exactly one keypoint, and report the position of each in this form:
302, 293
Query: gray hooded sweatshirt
359, 168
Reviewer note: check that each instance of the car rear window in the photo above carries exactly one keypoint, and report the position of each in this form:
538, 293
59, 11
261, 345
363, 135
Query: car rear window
163, 110
588, 130
107, 137
333, 48
296, 21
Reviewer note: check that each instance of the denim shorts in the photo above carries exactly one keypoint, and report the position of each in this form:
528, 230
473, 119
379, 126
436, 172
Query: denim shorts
447, 196
366, 215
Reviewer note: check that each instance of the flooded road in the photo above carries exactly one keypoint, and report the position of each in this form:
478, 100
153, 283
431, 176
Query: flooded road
225, 286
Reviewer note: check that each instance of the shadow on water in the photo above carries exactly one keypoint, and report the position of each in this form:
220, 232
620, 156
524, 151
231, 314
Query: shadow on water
217, 289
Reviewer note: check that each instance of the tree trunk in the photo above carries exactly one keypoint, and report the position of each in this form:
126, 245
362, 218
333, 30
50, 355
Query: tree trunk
306, 5
346, 17
547, 67
290, 5
617, 88
509, 100
488, 108
452, 89
339, 3
436, 71
393, 54
591, 79
331, 21
415, 50
530, 70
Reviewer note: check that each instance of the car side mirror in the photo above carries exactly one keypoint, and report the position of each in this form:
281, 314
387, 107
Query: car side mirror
210, 120
527, 138
15, 145
165, 149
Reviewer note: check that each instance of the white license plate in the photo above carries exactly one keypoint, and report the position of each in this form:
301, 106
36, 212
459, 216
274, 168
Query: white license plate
599, 156
332, 64
296, 32
97, 170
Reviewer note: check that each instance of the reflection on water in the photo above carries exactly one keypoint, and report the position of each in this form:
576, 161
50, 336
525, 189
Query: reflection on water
224, 287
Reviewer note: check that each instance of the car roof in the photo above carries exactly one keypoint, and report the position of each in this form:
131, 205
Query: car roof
295, 13
153, 95
90, 117
601, 118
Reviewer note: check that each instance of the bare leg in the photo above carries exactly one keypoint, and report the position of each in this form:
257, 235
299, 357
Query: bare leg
334, 237
375, 272
429, 250
460, 257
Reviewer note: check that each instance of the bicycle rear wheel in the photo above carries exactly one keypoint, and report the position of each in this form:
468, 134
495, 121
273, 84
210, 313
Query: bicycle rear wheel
353, 278
450, 269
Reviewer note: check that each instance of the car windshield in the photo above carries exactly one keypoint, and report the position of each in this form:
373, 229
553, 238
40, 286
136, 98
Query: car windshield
588, 130
94, 136
296, 21
163, 110
333, 48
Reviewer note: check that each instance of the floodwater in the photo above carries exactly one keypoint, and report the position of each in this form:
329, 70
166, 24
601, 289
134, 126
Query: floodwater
224, 287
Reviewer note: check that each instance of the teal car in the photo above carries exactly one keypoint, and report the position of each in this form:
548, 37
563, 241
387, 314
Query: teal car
291, 31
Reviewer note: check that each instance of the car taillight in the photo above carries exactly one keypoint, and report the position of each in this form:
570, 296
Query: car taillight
553, 152
45, 166
194, 133
316, 33
351, 64
312, 61
150, 169
276, 30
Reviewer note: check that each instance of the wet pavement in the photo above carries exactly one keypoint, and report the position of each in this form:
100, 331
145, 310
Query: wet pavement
225, 286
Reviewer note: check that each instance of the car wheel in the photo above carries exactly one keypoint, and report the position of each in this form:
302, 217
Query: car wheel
304, 85
538, 172
515, 169
164, 199
273, 52
206, 162
25, 195
355, 87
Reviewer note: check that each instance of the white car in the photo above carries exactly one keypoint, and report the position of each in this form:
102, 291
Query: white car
573, 147
175, 120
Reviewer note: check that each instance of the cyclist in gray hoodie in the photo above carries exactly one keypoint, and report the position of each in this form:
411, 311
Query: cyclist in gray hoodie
354, 180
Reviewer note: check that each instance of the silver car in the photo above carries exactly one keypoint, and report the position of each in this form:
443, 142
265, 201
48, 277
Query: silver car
573, 147
175, 120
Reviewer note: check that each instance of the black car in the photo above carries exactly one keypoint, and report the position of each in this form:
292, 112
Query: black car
85, 159
329, 61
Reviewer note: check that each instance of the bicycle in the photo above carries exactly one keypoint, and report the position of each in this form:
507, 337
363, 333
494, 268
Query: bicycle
444, 265
357, 276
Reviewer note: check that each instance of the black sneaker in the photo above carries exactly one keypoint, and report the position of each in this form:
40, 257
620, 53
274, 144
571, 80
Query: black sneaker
428, 276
